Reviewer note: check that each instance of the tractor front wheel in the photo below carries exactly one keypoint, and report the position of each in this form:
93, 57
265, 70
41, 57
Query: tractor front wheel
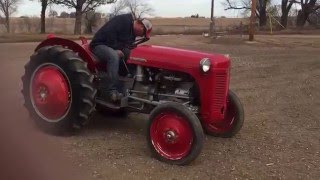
175, 135
233, 121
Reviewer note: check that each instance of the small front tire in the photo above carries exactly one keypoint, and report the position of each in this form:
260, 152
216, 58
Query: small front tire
175, 135
233, 121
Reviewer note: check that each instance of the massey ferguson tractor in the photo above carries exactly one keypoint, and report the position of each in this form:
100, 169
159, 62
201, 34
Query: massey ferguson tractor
185, 92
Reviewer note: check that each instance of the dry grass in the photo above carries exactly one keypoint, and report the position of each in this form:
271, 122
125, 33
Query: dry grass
291, 41
27, 29
66, 25
223, 22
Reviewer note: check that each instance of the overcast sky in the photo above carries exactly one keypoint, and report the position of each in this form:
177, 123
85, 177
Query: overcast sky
163, 8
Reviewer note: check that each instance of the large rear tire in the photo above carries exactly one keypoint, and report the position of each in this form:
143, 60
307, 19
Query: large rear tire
175, 134
58, 90
233, 121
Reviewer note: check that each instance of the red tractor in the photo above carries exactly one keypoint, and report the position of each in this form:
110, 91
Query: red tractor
185, 92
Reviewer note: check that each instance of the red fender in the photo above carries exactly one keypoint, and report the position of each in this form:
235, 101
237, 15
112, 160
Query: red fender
82, 50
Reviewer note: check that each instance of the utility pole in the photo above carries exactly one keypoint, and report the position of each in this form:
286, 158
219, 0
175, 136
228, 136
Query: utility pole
252, 20
212, 23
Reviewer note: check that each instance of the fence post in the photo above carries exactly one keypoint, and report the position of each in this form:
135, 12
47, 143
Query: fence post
212, 23
252, 20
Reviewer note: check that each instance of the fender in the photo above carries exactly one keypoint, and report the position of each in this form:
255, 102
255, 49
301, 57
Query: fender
83, 51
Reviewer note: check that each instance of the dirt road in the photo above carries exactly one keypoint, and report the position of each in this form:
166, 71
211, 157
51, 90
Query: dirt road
278, 83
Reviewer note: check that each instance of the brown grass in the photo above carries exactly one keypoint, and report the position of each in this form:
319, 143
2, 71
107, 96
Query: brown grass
27, 29
223, 22
164, 25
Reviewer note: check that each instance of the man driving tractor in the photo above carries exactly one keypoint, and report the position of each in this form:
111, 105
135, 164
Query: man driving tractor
184, 92
111, 46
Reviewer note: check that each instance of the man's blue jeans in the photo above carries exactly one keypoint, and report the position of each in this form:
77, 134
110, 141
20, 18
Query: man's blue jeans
109, 56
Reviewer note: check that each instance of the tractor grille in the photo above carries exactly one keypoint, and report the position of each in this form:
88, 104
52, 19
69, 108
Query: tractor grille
220, 94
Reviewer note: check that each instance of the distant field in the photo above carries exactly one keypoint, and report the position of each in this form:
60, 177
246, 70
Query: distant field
161, 25
223, 22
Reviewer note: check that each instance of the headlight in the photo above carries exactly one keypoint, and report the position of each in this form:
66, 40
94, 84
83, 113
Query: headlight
205, 65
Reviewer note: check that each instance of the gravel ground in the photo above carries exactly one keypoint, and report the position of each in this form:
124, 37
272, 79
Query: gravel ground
277, 80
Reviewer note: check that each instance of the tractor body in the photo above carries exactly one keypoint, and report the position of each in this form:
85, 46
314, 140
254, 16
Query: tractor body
185, 92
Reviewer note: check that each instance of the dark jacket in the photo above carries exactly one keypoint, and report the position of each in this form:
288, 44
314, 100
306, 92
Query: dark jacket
118, 33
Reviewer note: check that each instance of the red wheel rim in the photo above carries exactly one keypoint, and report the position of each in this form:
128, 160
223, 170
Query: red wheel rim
50, 92
171, 136
228, 123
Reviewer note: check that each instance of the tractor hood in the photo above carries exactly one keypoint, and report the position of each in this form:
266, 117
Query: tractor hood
213, 85
175, 59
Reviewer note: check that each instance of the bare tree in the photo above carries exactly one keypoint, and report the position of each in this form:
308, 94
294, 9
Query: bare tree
44, 6
2, 20
82, 6
263, 4
286, 7
307, 7
118, 8
139, 8
261, 11
7, 8
64, 15
237, 5
91, 19
28, 24
314, 18
53, 13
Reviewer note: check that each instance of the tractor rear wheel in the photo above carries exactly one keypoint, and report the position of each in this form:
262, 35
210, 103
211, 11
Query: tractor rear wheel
58, 90
175, 134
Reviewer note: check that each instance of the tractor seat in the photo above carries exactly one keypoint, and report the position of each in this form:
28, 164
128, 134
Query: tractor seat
86, 47
102, 67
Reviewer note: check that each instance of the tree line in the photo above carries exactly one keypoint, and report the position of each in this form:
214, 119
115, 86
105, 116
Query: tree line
83, 9
308, 9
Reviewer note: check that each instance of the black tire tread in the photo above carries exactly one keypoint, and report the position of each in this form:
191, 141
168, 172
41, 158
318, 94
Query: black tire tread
233, 98
81, 83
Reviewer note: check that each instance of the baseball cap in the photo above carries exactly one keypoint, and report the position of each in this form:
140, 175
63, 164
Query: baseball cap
147, 27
